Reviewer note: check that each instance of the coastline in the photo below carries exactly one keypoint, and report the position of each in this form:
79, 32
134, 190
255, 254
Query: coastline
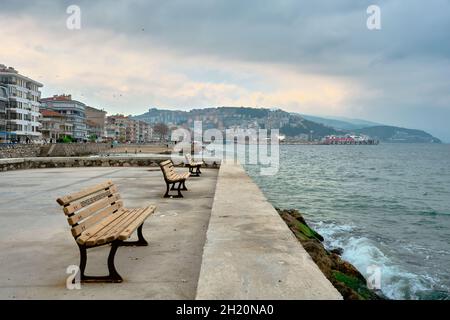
343, 275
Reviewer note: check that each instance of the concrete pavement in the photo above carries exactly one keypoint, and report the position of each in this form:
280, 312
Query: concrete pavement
224, 240
36, 246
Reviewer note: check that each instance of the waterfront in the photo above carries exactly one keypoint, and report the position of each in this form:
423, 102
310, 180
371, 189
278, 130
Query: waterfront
385, 205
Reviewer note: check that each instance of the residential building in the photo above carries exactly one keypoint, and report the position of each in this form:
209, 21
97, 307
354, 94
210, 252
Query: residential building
96, 123
116, 126
145, 132
95, 132
75, 112
3, 106
54, 125
127, 130
22, 110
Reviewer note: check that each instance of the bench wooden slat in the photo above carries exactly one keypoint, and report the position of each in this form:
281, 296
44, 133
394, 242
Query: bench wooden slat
101, 236
165, 162
83, 193
75, 206
85, 225
92, 209
113, 234
89, 233
125, 234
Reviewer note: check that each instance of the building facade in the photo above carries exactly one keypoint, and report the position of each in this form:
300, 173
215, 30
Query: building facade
145, 132
54, 126
22, 109
127, 130
3, 106
73, 110
96, 123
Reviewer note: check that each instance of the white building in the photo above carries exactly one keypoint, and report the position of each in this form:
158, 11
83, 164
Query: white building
22, 111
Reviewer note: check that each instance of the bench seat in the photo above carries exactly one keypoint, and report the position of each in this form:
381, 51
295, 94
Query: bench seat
119, 225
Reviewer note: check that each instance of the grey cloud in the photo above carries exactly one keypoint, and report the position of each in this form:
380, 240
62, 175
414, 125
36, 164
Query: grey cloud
408, 61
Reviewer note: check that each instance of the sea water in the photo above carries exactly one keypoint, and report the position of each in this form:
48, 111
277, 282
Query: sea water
386, 205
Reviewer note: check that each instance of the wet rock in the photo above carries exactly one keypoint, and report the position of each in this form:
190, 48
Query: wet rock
338, 251
342, 274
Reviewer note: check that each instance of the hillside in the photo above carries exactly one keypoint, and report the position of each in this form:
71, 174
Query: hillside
292, 125
341, 123
396, 134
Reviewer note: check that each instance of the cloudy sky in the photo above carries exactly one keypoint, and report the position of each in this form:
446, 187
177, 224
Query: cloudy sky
314, 57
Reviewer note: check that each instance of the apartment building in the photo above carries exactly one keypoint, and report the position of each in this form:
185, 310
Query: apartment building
21, 116
116, 127
54, 126
73, 110
127, 130
145, 132
96, 123
3, 106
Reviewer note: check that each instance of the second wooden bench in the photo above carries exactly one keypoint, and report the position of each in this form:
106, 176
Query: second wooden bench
172, 178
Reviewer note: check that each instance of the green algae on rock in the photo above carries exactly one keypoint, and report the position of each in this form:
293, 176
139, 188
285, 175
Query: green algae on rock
342, 274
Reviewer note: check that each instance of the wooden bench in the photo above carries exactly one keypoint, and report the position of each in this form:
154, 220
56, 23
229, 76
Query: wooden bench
172, 178
193, 165
97, 217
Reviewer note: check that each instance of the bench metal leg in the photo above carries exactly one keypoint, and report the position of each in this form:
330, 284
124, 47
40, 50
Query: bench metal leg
166, 195
139, 243
196, 173
168, 188
179, 190
113, 276
184, 186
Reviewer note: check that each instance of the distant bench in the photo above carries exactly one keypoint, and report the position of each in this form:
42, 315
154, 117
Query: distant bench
97, 217
171, 178
193, 165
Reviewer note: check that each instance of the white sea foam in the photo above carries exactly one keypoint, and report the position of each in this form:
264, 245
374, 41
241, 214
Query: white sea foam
396, 283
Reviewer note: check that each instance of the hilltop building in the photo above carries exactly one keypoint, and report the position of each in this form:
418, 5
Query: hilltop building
19, 112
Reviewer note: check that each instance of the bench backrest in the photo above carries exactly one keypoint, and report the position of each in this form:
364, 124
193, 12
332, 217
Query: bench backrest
90, 206
167, 169
189, 158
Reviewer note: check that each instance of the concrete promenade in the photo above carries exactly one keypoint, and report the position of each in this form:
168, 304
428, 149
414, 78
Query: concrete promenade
216, 243
250, 253
36, 245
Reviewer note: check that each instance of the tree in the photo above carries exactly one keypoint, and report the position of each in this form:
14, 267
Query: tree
162, 130
92, 138
65, 139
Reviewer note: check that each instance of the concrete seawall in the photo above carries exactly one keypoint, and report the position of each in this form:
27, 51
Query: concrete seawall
93, 161
250, 253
